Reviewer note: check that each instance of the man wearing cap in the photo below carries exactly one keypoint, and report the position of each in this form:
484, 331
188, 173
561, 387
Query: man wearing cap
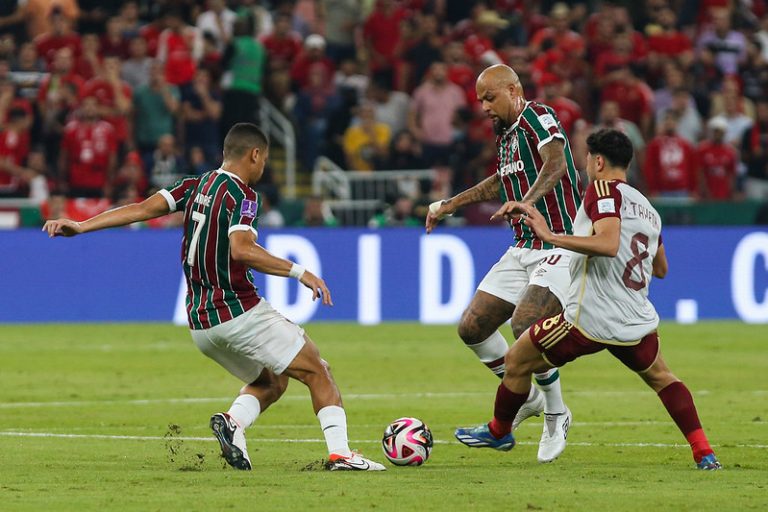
311, 57
717, 163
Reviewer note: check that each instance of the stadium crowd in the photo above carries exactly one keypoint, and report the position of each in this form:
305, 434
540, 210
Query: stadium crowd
110, 99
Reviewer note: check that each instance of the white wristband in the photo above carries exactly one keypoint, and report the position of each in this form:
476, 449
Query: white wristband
296, 271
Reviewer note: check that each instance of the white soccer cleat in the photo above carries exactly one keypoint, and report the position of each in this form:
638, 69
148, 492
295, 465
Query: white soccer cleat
533, 407
354, 462
232, 440
553, 437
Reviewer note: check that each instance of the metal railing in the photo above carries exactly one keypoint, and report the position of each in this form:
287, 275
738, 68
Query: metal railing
356, 196
280, 129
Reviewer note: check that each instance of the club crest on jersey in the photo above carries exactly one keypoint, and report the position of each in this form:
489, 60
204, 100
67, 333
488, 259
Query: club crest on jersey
249, 208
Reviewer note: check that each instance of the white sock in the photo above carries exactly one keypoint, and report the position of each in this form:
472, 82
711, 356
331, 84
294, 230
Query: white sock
549, 383
333, 421
533, 394
491, 352
245, 409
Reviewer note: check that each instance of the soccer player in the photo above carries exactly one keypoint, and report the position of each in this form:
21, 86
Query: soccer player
531, 279
617, 247
228, 320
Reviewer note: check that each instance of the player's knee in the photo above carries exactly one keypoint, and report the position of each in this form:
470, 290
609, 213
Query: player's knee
513, 367
520, 325
468, 330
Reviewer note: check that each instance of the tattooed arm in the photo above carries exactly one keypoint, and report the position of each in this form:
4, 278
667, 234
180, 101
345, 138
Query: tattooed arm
553, 168
484, 191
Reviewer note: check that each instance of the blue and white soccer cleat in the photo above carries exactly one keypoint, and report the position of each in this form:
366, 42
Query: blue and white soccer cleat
709, 463
481, 437
232, 441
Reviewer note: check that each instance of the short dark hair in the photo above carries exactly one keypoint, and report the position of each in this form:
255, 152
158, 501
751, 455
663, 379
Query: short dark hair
243, 137
612, 145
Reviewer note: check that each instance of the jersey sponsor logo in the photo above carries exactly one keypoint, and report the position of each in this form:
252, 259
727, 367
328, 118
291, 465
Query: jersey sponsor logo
547, 121
607, 205
513, 167
249, 208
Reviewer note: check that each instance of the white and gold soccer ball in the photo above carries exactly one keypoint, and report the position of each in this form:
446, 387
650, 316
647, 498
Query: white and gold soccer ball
407, 442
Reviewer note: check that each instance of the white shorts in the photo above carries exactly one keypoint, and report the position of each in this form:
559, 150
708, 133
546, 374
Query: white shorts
259, 338
518, 267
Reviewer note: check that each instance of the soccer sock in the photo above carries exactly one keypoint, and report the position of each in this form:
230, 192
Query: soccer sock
245, 409
333, 421
549, 383
504, 410
679, 404
491, 352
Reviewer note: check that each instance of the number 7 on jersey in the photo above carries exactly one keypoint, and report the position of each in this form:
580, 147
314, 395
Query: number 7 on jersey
199, 219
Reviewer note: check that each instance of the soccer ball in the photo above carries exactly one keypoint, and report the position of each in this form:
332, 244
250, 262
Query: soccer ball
407, 442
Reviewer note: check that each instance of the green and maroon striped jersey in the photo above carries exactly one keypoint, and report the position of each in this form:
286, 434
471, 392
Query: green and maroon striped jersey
215, 204
519, 166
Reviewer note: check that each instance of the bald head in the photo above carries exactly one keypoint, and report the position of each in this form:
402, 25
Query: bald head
500, 93
499, 76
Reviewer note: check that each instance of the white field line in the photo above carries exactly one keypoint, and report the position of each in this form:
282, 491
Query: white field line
352, 396
365, 441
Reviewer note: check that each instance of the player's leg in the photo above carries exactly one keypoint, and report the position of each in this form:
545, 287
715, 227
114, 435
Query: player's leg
521, 361
229, 427
645, 359
314, 372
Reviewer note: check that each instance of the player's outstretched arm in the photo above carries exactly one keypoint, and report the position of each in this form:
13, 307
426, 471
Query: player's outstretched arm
155, 206
660, 263
553, 168
484, 191
244, 249
603, 242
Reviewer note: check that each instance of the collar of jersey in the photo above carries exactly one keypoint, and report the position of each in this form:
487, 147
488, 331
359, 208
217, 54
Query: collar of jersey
231, 174
514, 125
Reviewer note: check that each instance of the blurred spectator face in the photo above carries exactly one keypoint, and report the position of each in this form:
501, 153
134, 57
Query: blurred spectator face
669, 124
59, 24
438, 73
313, 211
111, 66
404, 143
216, 5
114, 28
174, 22
138, 48
731, 87
196, 156
36, 161
403, 207
622, 44
63, 60
367, 114
721, 20
316, 79
673, 77
156, 74
7, 46
732, 105
609, 113
89, 110
130, 12
429, 25
282, 25
454, 52
90, 44
202, 79
27, 56
166, 145
718, 135
680, 101
559, 17
761, 111
667, 19
7, 88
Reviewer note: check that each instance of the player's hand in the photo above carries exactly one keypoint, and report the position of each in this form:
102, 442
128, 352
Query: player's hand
318, 287
536, 221
510, 211
437, 212
62, 227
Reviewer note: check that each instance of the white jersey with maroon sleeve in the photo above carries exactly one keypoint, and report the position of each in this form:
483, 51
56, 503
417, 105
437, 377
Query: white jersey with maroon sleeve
608, 297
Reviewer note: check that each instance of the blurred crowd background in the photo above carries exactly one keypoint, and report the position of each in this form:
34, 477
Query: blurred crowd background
103, 102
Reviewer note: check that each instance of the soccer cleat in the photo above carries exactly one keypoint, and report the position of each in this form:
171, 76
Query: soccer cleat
533, 407
354, 462
232, 440
709, 463
481, 437
553, 437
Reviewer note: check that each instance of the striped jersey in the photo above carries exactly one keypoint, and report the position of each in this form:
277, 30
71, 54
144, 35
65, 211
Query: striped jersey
608, 298
519, 166
215, 204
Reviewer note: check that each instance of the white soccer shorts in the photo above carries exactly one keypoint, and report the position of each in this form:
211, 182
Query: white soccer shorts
259, 338
518, 267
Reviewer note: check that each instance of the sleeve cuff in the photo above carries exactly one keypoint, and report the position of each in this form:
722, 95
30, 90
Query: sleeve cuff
243, 227
169, 198
557, 135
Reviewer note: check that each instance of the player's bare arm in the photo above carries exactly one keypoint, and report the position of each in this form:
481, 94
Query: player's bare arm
244, 249
484, 191
660, 263
153, 207
603, 242
553, 169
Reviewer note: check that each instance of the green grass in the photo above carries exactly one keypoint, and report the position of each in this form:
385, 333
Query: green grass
126, 380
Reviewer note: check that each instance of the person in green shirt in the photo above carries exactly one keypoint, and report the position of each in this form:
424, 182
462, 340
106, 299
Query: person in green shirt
155, 107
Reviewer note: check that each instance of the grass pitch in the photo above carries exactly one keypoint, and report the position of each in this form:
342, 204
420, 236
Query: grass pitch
114, 417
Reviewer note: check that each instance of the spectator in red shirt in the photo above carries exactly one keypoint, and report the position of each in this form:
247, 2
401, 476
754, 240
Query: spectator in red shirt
553, 93
479, 45
88, 64
670, 163
559, 33
665, 41
717, 164
311, 58
459, 71
60, 36
114, 97
634, 97
179, 47
381, 33
14, 148
282, 45
113, 42
62, 73
88, 154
